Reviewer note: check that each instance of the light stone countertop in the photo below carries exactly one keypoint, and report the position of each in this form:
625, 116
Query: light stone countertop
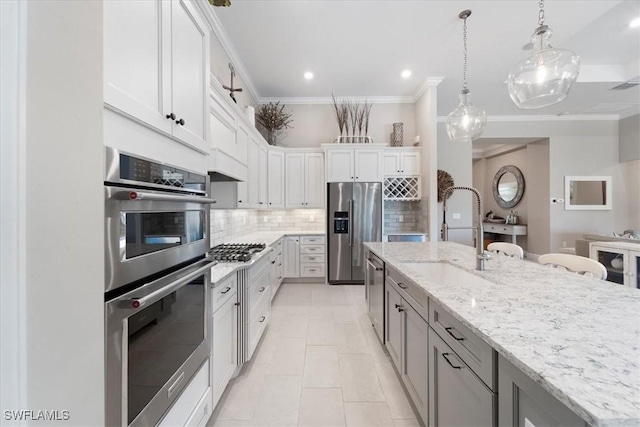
222, 270
578, 337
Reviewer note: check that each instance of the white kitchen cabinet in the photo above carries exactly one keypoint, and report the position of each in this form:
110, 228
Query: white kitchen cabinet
156, 61
229, 140
314, 183
276, 174
254, 174
363, 164
305, 182
291, 257
224, 346
194, 406
401, 162
393, 333
621, 259
263, 189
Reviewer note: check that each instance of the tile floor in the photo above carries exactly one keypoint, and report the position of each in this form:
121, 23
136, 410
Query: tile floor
319, 364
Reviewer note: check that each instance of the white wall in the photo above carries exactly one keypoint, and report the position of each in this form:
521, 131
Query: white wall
629, 130
315, 124
533, 210
455, 158
575, 148
58, 197
631, 180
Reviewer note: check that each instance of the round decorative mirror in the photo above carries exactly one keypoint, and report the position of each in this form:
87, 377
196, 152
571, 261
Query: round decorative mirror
508, 186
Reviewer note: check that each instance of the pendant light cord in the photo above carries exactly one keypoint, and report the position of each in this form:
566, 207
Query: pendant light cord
541, 13
464, 40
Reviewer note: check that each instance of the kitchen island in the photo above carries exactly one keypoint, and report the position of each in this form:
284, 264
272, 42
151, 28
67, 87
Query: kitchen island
576, 337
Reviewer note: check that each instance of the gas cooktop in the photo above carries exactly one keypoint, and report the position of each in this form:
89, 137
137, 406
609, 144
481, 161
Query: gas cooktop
239, 252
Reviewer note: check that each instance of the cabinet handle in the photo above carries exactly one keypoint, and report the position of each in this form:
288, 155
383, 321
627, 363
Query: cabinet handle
402, 286
261, 203
171, 116
227, 289
237, 304
279, 264
449, 361
451, 333
239, 201
262, 319
397, 305
180, 122
400, 310
273, 262
262, 289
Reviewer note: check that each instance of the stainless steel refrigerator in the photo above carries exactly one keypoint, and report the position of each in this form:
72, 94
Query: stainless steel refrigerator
354, 216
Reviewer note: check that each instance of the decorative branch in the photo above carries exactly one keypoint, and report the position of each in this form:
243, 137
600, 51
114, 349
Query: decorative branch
273, 117
338, 110
367, 109
353, 115
223, 3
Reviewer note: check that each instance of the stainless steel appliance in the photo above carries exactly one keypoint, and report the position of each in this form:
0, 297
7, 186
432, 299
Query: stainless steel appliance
236, 252
157, 338
354, 216
157, 280
375, 293
156, 216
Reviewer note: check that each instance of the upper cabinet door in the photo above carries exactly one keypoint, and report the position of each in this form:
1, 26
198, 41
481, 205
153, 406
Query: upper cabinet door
254, 174
409, 163
190, 72
276, 179
262, 181
391, 164
369, 166
314, 180
137, 60
340, 165
295, 177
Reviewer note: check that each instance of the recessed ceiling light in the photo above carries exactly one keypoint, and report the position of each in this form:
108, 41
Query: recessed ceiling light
406, 74
308, 75
635, 23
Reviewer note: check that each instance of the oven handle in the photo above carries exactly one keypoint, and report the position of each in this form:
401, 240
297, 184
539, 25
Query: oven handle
136, 303
144, 195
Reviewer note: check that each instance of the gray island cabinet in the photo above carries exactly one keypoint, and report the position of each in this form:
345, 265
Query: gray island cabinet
452, 375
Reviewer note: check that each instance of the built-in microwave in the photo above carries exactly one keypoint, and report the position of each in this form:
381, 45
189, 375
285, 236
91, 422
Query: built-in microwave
156, 217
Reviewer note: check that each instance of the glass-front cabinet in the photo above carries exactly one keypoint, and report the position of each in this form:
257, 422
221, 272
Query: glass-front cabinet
621, 259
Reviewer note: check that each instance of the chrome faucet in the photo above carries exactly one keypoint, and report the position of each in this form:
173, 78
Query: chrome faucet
480, 255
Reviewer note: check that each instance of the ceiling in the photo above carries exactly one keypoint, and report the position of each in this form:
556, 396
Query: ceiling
358, 48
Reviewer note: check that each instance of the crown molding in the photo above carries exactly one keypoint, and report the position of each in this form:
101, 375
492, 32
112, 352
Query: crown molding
221, 34
429, 82
629, 113
329, 100
547, 118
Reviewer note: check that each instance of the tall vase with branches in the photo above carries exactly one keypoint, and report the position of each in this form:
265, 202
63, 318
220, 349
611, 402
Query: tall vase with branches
273, 118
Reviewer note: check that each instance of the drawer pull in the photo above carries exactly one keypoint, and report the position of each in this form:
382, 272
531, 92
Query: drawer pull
262, 319
449, 361
312, 269
400, 309
449, 329
273, 262
227, 289
262, 289
402, 286
237, 304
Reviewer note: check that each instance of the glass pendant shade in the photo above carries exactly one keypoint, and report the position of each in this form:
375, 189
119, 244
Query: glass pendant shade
546, 76
466, 122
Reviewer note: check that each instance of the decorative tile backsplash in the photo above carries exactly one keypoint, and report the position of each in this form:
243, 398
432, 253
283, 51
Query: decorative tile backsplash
230, 224
413, 217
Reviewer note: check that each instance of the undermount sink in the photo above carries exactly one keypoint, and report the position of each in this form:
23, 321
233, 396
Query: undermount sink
443, 273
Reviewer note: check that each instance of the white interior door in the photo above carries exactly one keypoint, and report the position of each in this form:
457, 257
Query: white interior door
276, 179
314, 182
190, 72
294, 184
137, 60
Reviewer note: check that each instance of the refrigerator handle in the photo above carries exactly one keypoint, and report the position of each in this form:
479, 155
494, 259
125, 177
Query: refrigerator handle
351, 222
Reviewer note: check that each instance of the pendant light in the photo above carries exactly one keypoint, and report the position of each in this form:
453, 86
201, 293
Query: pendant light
545, 77
466, 122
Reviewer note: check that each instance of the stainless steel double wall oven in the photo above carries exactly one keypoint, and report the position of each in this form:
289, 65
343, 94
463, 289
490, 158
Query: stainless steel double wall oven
156, 285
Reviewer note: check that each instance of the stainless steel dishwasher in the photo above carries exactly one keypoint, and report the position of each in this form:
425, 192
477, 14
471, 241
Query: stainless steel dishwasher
374, 281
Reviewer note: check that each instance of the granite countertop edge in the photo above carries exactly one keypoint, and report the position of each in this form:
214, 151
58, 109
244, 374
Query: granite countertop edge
590, 414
